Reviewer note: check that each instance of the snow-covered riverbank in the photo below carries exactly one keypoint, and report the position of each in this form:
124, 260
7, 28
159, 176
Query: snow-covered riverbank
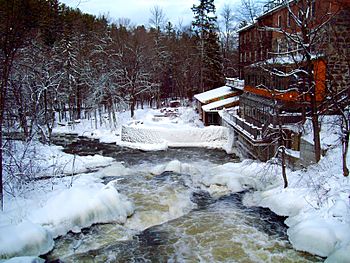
316, 202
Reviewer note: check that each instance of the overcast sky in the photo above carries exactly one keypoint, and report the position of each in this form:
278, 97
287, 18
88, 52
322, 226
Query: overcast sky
138, 11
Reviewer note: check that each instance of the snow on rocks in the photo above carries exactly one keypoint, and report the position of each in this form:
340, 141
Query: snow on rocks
24, 260
339, 256
82, 206
284, 202
175, 166
87, 202
25, 238
230, 175
318, 236
316, 201
58, 204
317, 205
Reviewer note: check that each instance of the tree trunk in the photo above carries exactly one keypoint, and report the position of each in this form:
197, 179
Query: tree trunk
1, 176
282, 147
96, 123
316, 129
6, 67
132, 107
284, 173
345, 148
115, 122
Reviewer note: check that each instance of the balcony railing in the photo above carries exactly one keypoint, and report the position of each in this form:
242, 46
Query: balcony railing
254, 129
251, 130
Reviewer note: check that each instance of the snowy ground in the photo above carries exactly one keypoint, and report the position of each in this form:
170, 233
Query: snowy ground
153, 130
316, 202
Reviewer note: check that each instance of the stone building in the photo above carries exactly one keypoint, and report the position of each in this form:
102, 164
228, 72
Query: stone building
277, 53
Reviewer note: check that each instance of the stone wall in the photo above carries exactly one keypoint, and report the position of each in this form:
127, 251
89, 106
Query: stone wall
338, 51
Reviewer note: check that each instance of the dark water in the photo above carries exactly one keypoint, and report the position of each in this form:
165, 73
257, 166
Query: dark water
175, 220
84, 146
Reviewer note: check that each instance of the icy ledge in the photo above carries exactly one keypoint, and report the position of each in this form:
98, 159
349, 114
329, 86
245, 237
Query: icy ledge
25, 237
82, 206
71, 210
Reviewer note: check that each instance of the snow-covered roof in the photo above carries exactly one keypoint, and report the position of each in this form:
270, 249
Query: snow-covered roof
220, 103
235, 83
286, 60
249, 25
213, 94
275, 8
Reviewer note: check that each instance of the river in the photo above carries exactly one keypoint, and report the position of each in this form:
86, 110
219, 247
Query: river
175, 220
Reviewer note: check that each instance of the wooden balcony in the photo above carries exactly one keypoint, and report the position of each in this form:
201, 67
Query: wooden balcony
255, 130
240, 124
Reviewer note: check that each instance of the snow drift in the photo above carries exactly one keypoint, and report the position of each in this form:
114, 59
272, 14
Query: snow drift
82, 206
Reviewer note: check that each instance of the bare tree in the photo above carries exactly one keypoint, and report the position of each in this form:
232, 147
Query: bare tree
229, 40
301, 42
249, 10
158, 18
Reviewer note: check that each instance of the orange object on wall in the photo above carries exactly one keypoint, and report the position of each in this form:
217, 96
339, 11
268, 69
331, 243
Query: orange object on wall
295, 96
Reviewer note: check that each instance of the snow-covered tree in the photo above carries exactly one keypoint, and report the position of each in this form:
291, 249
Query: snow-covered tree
300, 42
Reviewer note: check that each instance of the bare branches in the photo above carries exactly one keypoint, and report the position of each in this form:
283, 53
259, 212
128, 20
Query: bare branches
158, 18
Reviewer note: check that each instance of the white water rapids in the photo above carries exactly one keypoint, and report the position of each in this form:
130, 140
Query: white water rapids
176, 219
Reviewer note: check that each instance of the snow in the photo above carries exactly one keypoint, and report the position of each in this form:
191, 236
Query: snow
314, 236
316, 202
80, 207
47, 208
213, 94
25, 238
155, 138
339, 256
329, 134
52, 214
218, 104
24, 260
174, 166
317, 205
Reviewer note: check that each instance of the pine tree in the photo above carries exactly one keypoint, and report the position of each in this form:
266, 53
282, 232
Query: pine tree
211, 60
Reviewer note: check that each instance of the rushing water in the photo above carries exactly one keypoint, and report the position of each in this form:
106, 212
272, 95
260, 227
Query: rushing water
174, 220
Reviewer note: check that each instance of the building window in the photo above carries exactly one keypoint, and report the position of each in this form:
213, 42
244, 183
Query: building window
245, 57
279, 21
241, 57
289, 18
313, 8
250, 56
278, 45
255, 55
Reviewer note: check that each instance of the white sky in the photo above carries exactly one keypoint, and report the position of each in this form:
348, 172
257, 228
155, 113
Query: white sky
138, 11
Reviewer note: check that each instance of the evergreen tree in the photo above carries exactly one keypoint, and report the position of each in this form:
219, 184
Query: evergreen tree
211, 60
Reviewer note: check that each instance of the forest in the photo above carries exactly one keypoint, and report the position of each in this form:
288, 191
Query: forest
56, 59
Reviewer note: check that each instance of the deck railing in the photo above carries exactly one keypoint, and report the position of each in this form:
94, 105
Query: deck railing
252, 130
255, 129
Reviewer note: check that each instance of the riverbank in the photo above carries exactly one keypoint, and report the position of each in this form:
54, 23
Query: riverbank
316, 202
